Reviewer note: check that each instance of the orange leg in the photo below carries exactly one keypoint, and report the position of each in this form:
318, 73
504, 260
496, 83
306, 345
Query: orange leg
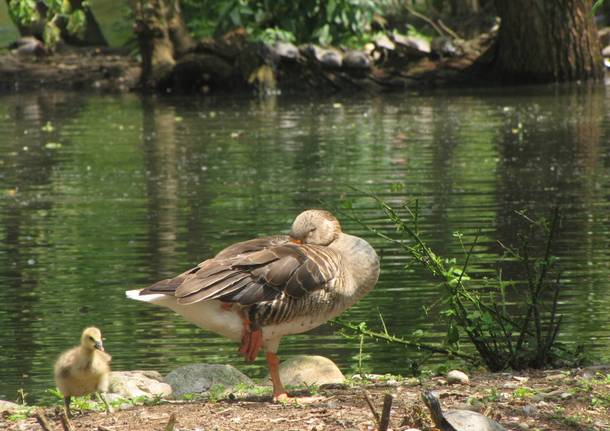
279, 393
251, 342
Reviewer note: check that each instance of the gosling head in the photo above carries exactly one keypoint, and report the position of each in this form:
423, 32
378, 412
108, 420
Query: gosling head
91, 339
317, 227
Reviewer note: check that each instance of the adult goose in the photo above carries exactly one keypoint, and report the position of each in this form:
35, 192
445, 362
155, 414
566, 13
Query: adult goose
258, 291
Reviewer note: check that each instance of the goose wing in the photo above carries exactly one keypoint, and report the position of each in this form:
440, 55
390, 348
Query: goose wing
254, 271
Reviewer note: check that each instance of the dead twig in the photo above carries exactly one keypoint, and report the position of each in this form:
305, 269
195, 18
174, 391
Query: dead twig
65, 421
171, 423
369, 401
385, 413
44, 421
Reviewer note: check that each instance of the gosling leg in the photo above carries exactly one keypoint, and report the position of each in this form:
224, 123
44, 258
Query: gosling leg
67, 406
108, 406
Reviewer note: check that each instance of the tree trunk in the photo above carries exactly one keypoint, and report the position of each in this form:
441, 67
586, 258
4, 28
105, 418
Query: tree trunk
92, 35
162, 36
465, 7
546, 41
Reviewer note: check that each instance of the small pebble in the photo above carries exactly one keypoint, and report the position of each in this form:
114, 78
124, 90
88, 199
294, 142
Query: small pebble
521, 379
529, 410
555, 377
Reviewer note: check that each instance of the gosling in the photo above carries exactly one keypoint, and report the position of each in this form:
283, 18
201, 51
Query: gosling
84, 369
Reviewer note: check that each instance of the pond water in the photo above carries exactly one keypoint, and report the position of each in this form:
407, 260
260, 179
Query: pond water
100, 194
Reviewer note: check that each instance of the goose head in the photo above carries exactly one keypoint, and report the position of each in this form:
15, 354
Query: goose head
91, 339
317, 227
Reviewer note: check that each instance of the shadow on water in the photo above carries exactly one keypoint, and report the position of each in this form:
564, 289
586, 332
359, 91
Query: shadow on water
119, 192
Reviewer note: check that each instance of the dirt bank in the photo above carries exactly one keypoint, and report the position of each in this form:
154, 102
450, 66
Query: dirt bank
543, 400
72, 69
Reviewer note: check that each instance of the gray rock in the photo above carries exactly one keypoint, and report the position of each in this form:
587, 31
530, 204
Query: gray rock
310, 370
327, 58
331, 59
530, 410
444, 46
286, 50
199, 378
456, 376
412, 45
7, 406
138, 383
356, 60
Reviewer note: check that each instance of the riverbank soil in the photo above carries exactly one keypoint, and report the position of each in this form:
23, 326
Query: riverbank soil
234, 64
534, 400
99, 69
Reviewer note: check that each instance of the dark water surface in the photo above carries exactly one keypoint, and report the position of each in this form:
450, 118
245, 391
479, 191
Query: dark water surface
118, 192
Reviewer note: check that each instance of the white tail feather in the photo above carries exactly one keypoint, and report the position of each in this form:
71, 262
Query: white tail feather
153, 298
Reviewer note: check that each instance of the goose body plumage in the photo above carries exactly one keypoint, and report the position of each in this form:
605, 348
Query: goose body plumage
260, 290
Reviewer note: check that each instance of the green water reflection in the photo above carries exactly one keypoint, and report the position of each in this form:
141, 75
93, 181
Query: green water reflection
127, 190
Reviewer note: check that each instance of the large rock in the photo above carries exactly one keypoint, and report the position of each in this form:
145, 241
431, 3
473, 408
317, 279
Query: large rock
132, 384
310, 370
457, 376
7, 406
199, 378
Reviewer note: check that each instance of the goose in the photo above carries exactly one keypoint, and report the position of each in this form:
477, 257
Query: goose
255, 292
84, 369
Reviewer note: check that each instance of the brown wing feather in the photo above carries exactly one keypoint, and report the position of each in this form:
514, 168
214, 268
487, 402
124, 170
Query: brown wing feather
254, 271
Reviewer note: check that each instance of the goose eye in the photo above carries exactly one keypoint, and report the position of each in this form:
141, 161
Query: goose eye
91, 338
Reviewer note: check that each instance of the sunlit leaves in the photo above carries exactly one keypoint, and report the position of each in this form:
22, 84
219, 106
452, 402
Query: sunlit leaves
318, 21
25, 12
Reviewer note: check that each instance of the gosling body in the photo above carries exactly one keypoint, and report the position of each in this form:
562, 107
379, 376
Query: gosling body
84, 369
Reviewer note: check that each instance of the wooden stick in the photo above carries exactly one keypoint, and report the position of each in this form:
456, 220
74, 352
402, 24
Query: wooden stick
385, 414
44, 421
369, 401
171, 423
65, 422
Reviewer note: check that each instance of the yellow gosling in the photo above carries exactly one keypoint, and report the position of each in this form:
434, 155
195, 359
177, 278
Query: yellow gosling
84, 369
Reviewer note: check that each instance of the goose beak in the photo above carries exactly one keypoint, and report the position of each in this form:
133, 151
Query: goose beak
99, 346
293, 239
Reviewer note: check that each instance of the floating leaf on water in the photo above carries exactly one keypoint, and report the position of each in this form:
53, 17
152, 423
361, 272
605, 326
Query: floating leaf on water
178, 119
337, 105
52, 145
48, 127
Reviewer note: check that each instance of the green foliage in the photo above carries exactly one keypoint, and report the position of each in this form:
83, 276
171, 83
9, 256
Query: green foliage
324, 22
216, 393
517, 333
24, 12
597, 5
251, 389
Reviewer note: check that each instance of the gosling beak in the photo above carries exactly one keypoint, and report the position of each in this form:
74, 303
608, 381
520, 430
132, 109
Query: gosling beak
99, 346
